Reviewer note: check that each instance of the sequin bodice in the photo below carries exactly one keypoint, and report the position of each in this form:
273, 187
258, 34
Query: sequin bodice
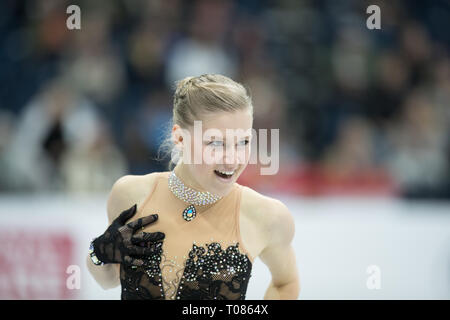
202, 259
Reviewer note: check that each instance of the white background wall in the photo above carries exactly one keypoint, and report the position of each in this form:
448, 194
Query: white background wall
336, 240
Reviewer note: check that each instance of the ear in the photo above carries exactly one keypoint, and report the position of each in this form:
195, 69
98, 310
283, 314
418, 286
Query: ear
177, 135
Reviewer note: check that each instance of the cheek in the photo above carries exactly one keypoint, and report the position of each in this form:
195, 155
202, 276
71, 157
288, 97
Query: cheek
243, 154
196, 154
212, 155
202, 171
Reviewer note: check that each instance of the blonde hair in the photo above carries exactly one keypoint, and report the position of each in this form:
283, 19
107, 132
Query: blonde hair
198, 96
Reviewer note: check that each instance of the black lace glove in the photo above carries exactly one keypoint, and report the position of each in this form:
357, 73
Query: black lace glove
118, 244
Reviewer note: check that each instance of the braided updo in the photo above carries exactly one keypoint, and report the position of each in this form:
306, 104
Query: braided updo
207, 93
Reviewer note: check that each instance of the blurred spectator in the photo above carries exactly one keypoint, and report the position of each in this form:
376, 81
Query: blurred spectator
91, 63
353, 151
417, 156
145, 131
203, 48
93, 167
56, 122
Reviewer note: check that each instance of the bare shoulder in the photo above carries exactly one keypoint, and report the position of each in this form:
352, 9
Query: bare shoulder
271, 215
128, 191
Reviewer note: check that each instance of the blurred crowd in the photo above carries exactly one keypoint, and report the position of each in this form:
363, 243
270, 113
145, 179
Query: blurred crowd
80, 108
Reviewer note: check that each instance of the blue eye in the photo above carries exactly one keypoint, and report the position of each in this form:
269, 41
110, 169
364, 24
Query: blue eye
243, 143
216, 143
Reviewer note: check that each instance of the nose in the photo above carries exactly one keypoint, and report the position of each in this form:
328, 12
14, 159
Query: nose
230, 157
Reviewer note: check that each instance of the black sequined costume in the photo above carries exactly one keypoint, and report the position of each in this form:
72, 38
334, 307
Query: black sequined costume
189, 264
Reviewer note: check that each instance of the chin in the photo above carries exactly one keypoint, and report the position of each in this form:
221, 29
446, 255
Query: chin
222, 187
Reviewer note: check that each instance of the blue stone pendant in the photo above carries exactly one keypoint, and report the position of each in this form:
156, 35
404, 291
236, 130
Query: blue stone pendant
189, 213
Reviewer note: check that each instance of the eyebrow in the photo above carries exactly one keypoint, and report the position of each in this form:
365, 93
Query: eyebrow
213, 138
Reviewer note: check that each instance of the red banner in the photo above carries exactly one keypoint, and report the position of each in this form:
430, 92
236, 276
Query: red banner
33, 264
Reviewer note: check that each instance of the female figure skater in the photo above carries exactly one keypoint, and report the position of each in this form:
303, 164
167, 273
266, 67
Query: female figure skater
194, 232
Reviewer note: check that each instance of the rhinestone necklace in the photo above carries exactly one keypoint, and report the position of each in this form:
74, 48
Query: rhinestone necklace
191, 196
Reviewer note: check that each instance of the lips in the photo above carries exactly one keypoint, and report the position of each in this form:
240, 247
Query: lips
224, 174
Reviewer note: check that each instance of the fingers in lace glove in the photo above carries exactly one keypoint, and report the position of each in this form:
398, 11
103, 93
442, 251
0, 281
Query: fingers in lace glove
125, 216
143, 256
144, 239
141, 251
116, 242
141, 222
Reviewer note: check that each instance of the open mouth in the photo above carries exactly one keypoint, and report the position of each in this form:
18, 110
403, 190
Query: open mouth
224, 174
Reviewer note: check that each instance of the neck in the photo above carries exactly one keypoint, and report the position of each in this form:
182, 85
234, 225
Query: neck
182, 172
184, 175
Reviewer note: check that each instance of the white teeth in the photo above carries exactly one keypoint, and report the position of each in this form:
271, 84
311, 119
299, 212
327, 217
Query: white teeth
228, 173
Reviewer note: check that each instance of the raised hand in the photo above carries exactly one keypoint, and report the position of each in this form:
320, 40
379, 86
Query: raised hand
118, 244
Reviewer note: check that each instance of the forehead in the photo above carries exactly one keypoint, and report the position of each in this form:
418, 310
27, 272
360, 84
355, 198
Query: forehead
226, 124
241, 120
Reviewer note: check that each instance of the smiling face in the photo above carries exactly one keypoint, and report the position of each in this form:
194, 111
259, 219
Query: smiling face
215, 153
